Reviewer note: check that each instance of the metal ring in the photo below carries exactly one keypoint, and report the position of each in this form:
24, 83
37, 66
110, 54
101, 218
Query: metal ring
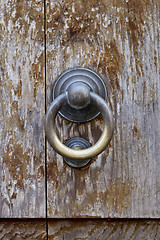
90, 152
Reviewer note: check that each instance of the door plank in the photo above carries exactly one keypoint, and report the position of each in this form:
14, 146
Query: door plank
22, 108
17, 229
118, 39
104, 229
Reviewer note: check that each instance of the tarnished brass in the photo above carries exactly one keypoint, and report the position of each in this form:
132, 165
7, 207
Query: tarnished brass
90, 152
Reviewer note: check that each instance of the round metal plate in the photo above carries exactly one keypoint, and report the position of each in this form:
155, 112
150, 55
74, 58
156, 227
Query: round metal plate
87, 76
77, 143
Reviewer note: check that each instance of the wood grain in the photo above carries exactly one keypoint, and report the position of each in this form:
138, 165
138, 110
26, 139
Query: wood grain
118, 39
104, 229
14, 229
22, 109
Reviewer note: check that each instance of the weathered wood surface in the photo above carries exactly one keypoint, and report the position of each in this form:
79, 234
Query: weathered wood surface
119, 39
103, 229
22, 109
23, 229
80, 229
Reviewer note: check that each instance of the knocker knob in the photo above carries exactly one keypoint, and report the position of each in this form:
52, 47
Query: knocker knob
78, 95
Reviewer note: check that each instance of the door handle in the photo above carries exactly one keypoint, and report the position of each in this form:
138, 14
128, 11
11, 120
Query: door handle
79, 91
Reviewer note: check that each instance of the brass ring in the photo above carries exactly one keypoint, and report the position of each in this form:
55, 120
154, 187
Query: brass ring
90, 152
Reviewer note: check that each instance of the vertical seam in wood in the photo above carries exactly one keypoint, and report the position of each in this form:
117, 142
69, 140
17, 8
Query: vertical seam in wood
45, 73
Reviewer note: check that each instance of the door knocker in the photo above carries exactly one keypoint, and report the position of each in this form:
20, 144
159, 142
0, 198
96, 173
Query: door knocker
79, 95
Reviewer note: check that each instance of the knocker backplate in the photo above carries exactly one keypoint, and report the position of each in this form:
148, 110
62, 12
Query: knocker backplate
79, 144
87, 76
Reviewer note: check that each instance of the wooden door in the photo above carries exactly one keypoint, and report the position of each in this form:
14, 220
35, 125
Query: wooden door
22, 109
118, 39
39, 40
